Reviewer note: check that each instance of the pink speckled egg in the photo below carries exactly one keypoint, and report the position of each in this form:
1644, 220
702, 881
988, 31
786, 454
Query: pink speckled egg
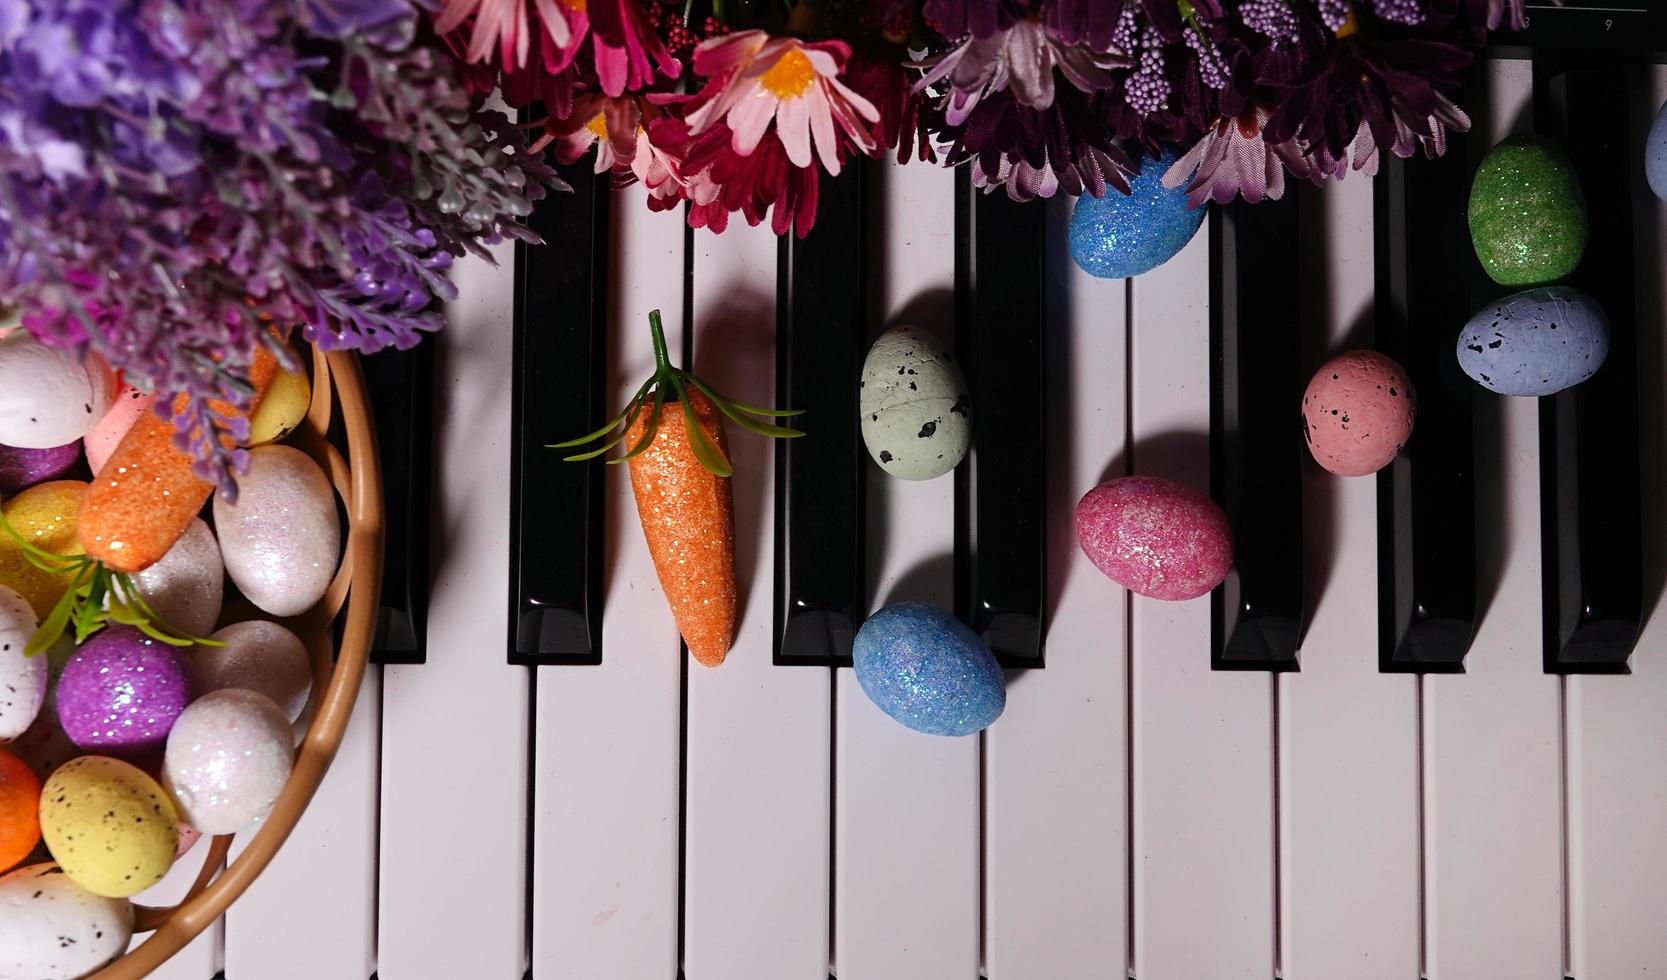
21, 468
1358, 412
1155, 537
121, 693
129, 404
229, 756
257, 656
188, 838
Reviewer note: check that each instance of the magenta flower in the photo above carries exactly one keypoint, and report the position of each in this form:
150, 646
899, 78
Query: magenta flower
1022, 57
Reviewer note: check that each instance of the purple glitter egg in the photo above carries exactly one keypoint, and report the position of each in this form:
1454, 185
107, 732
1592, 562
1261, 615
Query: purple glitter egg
21, 468
121, 693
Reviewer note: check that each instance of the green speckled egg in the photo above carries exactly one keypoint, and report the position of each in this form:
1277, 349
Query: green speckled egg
108, 825
1527, 214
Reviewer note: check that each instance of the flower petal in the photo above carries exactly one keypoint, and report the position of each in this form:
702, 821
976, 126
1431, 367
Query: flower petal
749, 119
793, 124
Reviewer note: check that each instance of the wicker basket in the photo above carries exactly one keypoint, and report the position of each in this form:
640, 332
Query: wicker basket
354, 594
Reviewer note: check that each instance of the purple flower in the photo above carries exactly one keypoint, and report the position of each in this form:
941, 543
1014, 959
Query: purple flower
1022, 57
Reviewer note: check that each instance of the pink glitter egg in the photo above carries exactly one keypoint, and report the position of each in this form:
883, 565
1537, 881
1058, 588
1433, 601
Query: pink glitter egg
121, 693
1155, 537
1358, 412
228, 759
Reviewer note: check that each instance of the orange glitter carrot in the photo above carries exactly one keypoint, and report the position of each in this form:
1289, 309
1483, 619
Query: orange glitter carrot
680, 477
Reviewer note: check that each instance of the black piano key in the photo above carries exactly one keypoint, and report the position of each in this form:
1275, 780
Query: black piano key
821, 342
401, 387
1255, 447
1590, 508
1426, 497
999, 487
1636, 26
558, 393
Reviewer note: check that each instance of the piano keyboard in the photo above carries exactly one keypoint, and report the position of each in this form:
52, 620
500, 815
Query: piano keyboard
1418, 733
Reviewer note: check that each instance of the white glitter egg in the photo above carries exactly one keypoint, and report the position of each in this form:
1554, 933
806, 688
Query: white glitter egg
186, 588
257, 656
282, 539
49, 397
53, 929
228, 757
916, 414
23, 679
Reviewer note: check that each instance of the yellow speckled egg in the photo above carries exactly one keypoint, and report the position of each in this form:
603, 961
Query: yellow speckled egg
282, 408
45, 516
108, 825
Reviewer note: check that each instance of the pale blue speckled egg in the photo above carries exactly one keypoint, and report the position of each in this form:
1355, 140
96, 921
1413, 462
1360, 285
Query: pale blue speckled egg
1655, 154
1117, 236
1536, 342
921, 666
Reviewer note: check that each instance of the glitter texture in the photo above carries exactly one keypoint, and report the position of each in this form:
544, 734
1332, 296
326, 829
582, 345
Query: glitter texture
228, 758
1155, 537
925, 669
187, 586
23, 679
45, 516
1117, 236
110, 826
689, 522
1527, 213
257, 656
282, 539
121, 693
1358, 412
21, 468
1534, 343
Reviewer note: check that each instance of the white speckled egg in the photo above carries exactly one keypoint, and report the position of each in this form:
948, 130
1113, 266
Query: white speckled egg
916, 414
22, 679
49, 397
282, 539
228, 758
187, 587
53, 929
257, 656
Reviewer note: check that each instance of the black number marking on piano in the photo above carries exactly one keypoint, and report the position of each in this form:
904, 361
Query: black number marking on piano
401, 386
555, 560
1590, 508
1255, 453
999, 500
1426, 497
821, 342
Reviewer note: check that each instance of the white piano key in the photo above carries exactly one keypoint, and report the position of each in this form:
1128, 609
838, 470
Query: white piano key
1348, 735
454, 730
1616, 725
201, 958
906, 871
756, 804
1056, 763
1203, 751
605, 790
1492, 759
322, 882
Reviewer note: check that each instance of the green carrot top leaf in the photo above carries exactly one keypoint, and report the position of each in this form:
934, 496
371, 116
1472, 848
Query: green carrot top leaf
670, 384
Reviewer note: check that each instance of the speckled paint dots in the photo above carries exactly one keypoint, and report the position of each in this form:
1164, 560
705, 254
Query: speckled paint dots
1537, 342
916, 413
1155, 537
1358, 412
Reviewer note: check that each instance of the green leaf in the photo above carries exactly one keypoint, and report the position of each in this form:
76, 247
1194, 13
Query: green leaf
624, 430
724, 400
647, 433
56, 622
708, 455
762, 428
599, 433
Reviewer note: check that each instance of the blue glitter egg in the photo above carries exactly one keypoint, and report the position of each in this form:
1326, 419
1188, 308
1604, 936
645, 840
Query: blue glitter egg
921, 666
1536, 342
1655, 155
1114, 237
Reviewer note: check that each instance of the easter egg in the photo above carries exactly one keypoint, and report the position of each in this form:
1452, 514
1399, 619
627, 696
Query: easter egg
44, 747
21, 468
110, 826
45, 516
23, 679
1527, 213
281, 409
1121, 235
48, 397
282, 539
1155, 537
125, 409
928, 671
1537, 342
188, 838
1358, 412
53, 929
121, 692
228, 758
916, 413
1655, 154
20, 800
257, 656
185, 589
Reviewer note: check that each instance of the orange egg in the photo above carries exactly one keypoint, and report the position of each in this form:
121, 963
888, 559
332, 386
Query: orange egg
20, 800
